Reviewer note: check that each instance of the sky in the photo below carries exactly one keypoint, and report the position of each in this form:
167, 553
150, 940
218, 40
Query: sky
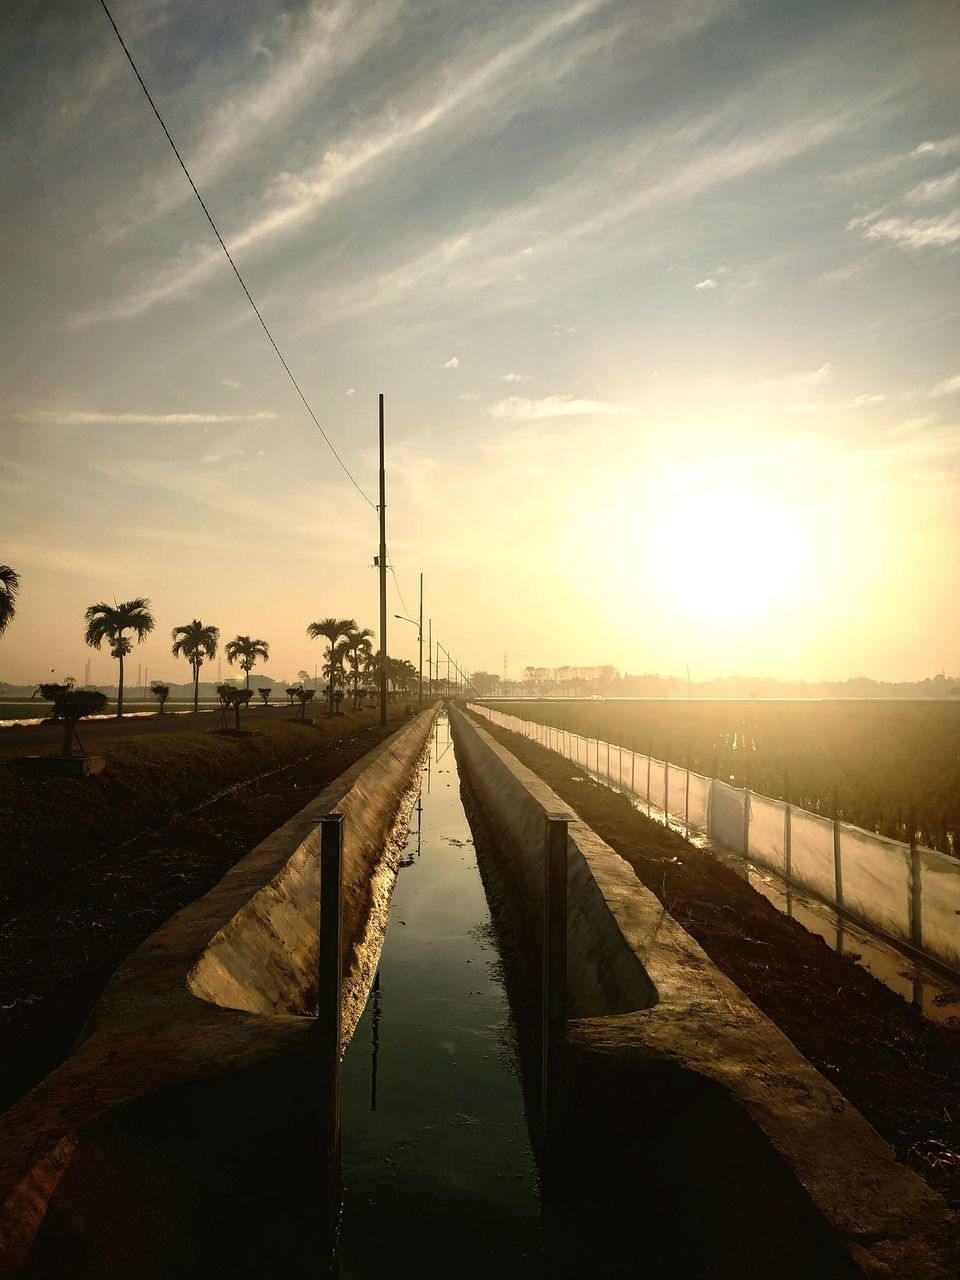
662, 296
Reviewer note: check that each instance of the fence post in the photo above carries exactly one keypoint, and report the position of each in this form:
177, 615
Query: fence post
554, 1012
746, 817
621, 762
710, 807
916, 917
633, 767
330, 970
649, 757
837, 860
666, 785
686, 800
788, 842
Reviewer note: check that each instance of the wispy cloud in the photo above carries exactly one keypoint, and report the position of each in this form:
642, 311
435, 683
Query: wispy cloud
796, 381
948, 387
867, 400
294, 198
452, 363
332, 40
934, 189
82, 418
910, 233
708, 283
515, 409
941, 147
516, 377
526, 251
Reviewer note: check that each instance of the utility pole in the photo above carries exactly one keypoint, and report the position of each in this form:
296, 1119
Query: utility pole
430, 657
420, 643
383, 579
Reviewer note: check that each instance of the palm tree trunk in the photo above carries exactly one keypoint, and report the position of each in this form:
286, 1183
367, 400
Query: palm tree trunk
67, 735
120, 689
196, 688
330, 686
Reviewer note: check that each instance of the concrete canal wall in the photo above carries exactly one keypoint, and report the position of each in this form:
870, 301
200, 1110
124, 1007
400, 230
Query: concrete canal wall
693, 1139
190, 1106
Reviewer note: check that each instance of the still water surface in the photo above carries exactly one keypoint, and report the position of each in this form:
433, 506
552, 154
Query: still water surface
438, 1175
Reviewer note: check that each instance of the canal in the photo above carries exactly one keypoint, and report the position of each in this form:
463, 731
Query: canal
438, 1175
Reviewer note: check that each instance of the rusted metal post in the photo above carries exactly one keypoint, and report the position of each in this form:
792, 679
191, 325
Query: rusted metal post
330, 970
554, 948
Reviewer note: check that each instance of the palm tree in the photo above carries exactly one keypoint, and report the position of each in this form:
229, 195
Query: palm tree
247, 652
331, 629
109, 622
9, 586
195, 642
333, 669
358, 644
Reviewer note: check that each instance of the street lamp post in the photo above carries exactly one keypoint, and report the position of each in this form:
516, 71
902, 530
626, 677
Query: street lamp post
413, 622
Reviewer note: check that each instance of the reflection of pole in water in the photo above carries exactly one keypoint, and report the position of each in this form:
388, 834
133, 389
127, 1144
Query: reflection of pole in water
374, 1041
419, 820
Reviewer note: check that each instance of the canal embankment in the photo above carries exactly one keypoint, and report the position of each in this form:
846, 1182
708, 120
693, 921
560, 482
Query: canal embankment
192, 1104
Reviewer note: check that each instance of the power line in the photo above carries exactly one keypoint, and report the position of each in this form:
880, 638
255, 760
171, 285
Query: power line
396, 583
216, 232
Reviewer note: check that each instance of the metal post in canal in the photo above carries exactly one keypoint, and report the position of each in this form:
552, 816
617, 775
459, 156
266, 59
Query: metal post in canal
330, 974
554, 950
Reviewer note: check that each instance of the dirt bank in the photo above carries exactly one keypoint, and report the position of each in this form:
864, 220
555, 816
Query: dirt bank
899, 1070
89, 868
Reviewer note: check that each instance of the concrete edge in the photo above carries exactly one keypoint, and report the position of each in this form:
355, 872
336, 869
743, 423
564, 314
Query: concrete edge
889, 1221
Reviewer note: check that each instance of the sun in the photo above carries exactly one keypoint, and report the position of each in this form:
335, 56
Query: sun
733, 552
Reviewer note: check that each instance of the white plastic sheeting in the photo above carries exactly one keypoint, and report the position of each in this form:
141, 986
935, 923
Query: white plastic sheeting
940, 905
911, 895
876, 878
699, 810
811, 853
765, 836
726, 815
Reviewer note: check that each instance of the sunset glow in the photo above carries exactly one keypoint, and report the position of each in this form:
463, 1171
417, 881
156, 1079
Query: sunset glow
661, 298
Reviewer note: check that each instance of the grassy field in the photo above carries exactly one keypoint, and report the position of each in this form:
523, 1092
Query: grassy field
876, 761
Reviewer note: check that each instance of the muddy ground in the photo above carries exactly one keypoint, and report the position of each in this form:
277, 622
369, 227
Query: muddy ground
901, 1071
90, 868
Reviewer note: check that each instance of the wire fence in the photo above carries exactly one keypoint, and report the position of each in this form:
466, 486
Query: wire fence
906, 892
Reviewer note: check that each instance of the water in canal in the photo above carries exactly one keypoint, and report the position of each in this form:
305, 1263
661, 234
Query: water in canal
438, 1174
